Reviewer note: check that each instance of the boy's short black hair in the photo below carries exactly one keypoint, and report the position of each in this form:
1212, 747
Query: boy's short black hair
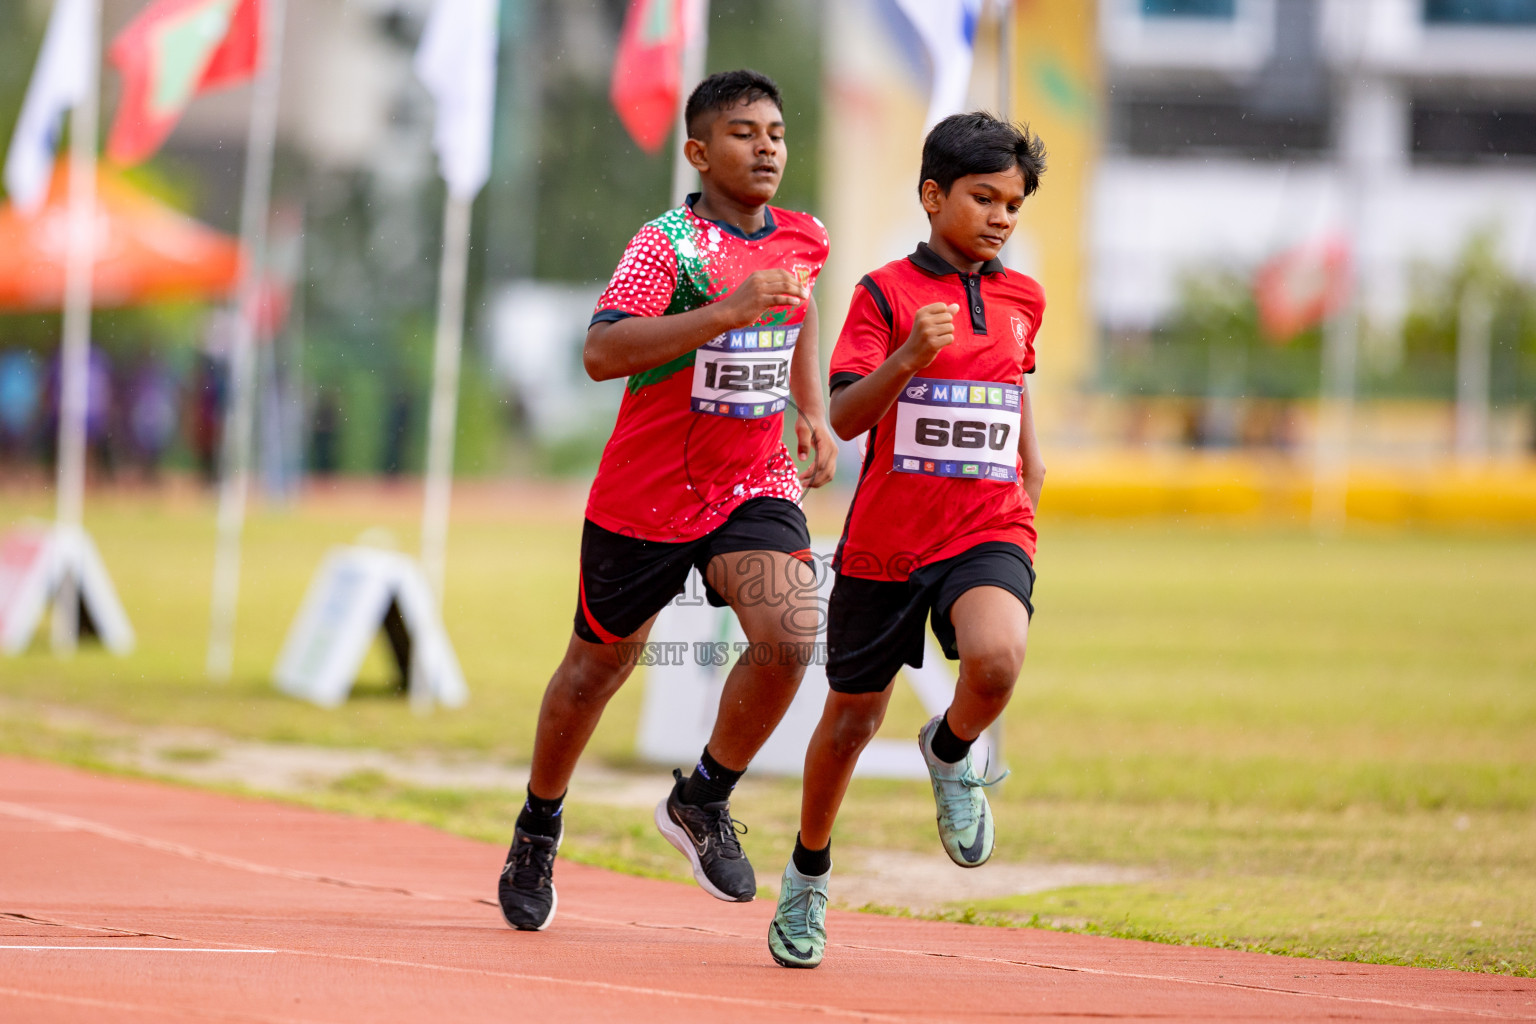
724, 90
978, 143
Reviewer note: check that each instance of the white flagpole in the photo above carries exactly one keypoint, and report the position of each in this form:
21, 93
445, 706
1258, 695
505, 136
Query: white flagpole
445, 390
75, 357
457, 64
235, 478
684, 177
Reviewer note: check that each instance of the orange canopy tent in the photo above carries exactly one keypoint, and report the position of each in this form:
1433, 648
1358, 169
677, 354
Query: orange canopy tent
145, 251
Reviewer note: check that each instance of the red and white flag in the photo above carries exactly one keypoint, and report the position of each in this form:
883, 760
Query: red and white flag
171, 53
1301, 287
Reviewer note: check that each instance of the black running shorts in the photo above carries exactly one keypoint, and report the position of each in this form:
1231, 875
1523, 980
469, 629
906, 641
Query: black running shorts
625, 580
876, 626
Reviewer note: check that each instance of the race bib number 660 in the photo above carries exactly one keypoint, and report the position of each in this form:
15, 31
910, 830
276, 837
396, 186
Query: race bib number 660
958, 428
744, 374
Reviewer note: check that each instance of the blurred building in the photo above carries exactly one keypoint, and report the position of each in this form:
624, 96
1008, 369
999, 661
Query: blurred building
1239, 128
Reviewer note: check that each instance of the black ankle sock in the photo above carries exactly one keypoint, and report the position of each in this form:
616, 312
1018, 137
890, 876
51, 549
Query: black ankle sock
710, 783
811, 863
541, 817
946, 746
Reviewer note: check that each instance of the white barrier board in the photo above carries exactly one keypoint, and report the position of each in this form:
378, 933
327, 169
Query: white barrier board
357, 592
35, 560
687, 672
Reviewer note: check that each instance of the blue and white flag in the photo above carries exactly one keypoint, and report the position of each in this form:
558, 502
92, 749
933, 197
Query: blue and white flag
59, 82
456, 61
948, 31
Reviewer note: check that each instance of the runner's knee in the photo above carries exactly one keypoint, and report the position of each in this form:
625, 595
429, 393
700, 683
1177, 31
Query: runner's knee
589, 677
993, 671
853, 728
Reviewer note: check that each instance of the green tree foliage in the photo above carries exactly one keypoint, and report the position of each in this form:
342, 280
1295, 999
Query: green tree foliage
1212, 346
1430, 329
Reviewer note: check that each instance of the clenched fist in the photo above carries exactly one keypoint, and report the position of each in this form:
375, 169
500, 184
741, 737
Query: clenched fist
764, 290
933, 329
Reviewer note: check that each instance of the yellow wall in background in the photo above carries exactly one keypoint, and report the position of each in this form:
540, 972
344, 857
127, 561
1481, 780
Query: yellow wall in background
1056, 76
872, 151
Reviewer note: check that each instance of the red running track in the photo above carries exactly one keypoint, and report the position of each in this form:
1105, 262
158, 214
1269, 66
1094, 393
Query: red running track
135, 901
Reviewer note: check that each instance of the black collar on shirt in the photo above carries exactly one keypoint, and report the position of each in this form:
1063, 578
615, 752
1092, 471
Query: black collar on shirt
926, 259
761, 233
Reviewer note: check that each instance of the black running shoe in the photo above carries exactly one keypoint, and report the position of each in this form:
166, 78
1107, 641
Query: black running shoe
527, 886
706, 835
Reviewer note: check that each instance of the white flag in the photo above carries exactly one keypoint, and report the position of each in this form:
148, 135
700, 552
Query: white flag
59, 82
457, 63
948, 31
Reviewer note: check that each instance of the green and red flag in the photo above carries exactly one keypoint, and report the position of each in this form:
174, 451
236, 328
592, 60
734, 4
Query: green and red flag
647, 70
172, 52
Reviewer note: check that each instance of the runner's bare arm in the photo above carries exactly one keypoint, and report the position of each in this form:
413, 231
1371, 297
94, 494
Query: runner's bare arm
860, 405
812, 431
1033, 476
638, 343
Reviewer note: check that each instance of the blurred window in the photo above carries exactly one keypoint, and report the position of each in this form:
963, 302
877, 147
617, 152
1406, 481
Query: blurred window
1480, 12
1189, 9
1449, 132
1157, 126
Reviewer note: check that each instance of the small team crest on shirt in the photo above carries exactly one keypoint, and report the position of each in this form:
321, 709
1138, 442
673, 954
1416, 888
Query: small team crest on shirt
803, 272
1020, 327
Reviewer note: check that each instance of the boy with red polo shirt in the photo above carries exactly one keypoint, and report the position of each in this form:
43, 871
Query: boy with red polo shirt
931, 362
710, 317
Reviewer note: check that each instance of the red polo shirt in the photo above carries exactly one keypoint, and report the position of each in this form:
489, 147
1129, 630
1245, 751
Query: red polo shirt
910, 509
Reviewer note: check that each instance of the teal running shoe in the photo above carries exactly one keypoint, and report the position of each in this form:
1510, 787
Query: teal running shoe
798, 935
965, 818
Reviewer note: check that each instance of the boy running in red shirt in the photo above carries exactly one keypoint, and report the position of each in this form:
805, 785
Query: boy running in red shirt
931, 362
710, 316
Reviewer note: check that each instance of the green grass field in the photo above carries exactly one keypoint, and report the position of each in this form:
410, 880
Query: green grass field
1318, 747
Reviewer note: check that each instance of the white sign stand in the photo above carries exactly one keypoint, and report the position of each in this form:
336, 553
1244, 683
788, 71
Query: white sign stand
357, 592
683, 685
37, 563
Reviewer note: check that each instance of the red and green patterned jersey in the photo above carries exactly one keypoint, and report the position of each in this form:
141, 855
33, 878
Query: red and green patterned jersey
699, 435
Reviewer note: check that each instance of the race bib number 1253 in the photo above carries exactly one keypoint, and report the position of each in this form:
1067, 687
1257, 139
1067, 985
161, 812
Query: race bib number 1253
744, 374
968, 429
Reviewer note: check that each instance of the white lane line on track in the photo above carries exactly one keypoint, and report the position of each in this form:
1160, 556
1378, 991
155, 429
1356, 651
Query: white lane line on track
616, 987
157, 1011
1176, 980
71, 823
141, 949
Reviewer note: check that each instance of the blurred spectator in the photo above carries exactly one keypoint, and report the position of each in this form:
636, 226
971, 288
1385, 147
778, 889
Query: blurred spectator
206, 422
99, 398
397, 424
20, 396
151, 414
323, 433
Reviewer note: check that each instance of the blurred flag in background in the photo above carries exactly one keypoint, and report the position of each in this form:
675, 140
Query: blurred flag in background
947, 29
169, 54
647, 70
1301, 287
456, 61
58, 83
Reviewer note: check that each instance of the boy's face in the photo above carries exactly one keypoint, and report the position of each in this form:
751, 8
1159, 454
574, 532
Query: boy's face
978, 213
742, 153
